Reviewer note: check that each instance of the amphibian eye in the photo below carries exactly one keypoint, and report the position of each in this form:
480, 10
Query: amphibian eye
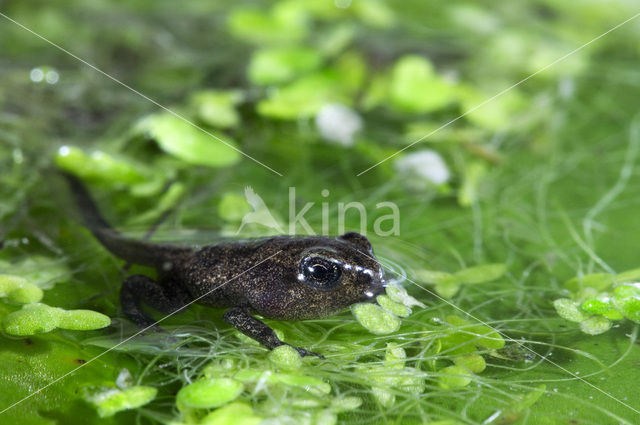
320, 272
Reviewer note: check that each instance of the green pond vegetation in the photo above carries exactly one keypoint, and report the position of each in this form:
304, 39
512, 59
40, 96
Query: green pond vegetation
514, 292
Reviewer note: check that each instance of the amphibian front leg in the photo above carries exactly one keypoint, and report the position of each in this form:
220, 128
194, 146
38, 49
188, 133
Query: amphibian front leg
243, 321
138, 289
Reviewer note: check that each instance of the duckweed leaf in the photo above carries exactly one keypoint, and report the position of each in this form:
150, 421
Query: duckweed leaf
345, 404
303, 98
627, 299
259, 27
494, 115
19, 289
280, 64
488, 337
383, 396
603, 306
595, 325
391, 306
481, 274
472, 362
434, 276
399, 294
376, 319
454, 377
32, 319
447, 289
598, 281
302, 381
209, 393
112, 401
232, 414
416, 88
180, 139
217, 108
82, 320
375, 13
41, 318
394, 356
285, 357
569, 310
99, 166
628, 276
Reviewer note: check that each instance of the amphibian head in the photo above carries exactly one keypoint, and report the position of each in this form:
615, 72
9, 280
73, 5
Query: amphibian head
316, 276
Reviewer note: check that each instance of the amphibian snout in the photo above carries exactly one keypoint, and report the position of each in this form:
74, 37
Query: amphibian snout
282, 277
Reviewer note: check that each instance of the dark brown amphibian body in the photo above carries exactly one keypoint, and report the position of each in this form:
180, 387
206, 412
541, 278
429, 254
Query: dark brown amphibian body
283, 277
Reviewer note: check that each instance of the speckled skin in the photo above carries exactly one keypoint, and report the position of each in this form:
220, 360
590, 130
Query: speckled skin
260, 276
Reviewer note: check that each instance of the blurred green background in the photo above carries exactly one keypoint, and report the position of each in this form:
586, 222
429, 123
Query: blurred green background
542, 178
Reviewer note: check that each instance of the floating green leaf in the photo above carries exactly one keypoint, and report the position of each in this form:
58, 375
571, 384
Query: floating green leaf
217, 108
301, 381
416, 88
99, 166
376, 319
111, 401
628, 276
304, 97
494, 115
374, 13
285, 357
603, 306
400, 295
280, 64
394, 356
433, 276
345, 404
569, 310
598, 281
206, 394
232, 414
32, 319
595, 325
481, 274
447, 289
41, 318
627, 299
279, 26
19, 289
483, 335
472, 362
454, 377
391, 306
184, 141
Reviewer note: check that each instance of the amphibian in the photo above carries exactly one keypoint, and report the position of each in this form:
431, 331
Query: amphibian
281, 277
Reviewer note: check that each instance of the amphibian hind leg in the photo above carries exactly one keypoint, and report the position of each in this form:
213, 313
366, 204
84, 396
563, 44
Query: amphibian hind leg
139, 289
243, 321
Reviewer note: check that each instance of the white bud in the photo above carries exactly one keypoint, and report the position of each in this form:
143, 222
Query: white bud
338, 123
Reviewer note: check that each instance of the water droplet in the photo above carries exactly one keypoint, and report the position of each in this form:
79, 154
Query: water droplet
52, 77
36, 75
